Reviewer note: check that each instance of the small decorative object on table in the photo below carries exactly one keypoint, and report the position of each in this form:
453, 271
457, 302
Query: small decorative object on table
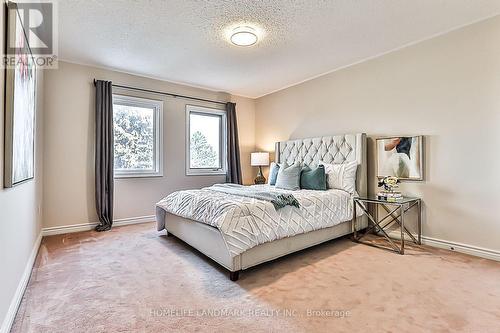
389, 183
260, 160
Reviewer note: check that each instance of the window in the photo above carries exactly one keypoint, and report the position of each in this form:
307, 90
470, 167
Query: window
138, 137
206, 141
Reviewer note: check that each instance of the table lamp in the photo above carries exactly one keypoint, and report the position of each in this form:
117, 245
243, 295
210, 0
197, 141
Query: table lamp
259, 159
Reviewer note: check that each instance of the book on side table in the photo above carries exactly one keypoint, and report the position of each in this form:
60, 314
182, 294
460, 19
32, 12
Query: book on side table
390, 196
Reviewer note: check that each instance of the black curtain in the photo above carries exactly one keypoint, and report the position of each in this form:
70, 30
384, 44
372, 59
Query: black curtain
104, 151
233, 148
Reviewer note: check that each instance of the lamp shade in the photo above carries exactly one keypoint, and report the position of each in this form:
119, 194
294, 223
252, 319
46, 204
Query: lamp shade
259, 159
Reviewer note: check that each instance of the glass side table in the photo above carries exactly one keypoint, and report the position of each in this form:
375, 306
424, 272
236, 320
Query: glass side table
395, 214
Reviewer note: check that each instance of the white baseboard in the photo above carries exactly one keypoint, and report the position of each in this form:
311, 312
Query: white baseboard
21, 287
89, 226
453, 246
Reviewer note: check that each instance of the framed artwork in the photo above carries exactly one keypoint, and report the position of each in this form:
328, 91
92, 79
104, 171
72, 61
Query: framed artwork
400, 157
20, 104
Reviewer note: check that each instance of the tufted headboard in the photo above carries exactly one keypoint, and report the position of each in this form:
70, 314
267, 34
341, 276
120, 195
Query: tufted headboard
336, 149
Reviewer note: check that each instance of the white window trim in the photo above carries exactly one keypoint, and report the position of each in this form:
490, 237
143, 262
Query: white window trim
223, 149
158, 135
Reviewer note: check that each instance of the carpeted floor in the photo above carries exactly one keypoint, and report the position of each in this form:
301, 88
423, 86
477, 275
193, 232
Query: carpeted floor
133, 279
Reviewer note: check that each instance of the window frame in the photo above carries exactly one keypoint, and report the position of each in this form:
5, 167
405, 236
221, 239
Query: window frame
206, 111
157, 105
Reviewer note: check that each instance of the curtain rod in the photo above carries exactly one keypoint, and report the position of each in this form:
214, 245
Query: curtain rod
166, 93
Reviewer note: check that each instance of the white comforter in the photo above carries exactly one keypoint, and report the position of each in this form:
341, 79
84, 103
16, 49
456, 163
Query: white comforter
246, 222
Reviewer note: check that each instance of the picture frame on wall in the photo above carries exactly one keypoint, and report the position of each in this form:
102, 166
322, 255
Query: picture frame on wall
400, 156
20, 104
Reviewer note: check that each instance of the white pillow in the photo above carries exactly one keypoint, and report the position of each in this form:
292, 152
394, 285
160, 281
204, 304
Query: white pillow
341, 176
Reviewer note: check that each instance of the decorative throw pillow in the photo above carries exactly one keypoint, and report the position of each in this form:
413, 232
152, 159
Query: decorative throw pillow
273, 173
289, 177
313, 179
341, 176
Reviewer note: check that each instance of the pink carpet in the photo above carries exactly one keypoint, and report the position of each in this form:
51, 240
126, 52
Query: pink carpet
133, 279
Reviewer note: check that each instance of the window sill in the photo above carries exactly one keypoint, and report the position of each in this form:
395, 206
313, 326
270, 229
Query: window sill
154, 175
205, 173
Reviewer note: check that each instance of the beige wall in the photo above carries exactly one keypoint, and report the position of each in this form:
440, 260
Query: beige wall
20, 208
447, 89
69, 145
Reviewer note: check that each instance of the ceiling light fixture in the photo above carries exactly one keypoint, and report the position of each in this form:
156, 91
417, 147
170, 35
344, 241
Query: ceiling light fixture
244, 36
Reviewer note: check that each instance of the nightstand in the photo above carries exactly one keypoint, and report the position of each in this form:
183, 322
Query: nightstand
396, 211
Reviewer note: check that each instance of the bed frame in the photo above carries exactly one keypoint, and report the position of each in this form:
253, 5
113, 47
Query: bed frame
330, 149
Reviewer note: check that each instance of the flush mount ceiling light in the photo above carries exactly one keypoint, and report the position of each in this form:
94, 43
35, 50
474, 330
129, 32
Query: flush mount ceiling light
244, 36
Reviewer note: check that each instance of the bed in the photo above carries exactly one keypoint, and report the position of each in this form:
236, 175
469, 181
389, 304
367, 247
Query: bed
240, 232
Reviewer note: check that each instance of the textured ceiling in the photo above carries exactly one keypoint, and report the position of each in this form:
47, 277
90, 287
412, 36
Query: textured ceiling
185, 40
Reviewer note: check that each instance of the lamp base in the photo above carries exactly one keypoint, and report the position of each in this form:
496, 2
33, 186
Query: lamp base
260, 179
